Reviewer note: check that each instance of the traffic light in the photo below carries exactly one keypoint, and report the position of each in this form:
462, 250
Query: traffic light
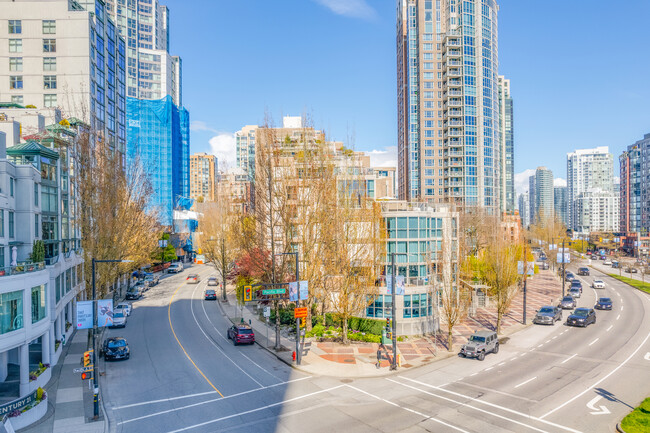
387, 324
88, 361
87, 375
248, 293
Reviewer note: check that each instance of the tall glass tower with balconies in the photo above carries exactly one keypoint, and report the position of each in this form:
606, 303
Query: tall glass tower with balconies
449, 139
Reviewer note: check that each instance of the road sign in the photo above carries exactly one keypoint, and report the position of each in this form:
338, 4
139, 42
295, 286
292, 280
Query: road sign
274, 291
300, 313
82, 369
267, 311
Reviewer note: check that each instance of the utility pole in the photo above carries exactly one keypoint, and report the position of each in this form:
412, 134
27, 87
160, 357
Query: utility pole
276, 304
525, 278
393, 365
563, 268
298, 351
95, 372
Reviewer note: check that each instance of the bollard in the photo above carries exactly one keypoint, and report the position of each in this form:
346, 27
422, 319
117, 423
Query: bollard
293, 355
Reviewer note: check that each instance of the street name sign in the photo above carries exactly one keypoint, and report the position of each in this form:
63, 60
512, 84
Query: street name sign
274, 291
83, 369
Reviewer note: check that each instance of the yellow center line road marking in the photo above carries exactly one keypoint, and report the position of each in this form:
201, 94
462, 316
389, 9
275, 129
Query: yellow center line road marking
169, 316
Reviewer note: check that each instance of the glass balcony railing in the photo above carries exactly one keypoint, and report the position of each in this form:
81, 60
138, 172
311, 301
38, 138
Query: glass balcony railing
21, 268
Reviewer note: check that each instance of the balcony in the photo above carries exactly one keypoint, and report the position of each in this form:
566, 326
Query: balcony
454, 63
455, 103
453, 53
454, 83
22, 268
454, 73
454, 123
454, 93
455, 113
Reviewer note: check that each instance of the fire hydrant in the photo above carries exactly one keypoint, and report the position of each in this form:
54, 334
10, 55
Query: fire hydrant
293, 355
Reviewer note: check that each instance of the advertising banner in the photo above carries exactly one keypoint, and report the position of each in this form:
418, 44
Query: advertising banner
104, 312
303, 290
399, 283
293, 291
84, 314
530, 268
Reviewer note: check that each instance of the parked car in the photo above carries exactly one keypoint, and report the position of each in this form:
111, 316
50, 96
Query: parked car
548, 315
631, 270
574, 291
212, 281
583, 271
480, 344
581, 317
602, 258
210, 295
151, 280
175, 268
543, 266
568, 303
193, 279
598, 284
116, 348
603, 304
569, 276
119, 318
125, 306
607, 262
616, 265
134, 293
241, 334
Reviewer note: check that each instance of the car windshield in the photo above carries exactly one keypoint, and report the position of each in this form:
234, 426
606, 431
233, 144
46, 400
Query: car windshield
567, 299
477, 338
576, 283
598, 281
192, 276
605, 301
118, 314
546, 310
209, 292
245, 331
574, 290
581, 312
113, 344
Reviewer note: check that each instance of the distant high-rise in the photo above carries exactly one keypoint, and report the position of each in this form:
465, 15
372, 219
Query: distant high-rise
203, 176
635, 188
560, 203
544, 199
449, 139
506, 118
245, 149
532, 204
589, 177
524, 209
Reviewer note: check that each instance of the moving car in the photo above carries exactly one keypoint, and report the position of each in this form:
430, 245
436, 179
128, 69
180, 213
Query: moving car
581, 317
616, 265
193, 279
125, 306
574, 291
568, 303
607, 262
210, 295
630, 270
583, 271
241, 334
569, 276
603, 304
119, 318
543, 266
116, 348
151, 280
175, 268
480, 344
212, 281
598, 284
577, 284
548, 315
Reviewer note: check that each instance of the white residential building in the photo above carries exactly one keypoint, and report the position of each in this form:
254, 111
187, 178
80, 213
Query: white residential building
589, 171
245, 142
597, 211
55, 53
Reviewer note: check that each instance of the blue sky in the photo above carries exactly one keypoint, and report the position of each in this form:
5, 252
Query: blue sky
579, 72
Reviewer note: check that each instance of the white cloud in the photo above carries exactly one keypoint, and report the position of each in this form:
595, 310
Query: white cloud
558, 181
350, 8
521, 180
199, 125
383, 158
224, 146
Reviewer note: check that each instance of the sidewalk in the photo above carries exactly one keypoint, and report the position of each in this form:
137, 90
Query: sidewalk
359, 359
70, 404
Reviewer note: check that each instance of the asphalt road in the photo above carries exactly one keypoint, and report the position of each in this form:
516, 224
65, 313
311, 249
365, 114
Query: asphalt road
184, 375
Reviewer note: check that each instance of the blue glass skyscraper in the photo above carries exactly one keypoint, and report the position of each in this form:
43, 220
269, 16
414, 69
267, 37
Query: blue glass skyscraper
159, 138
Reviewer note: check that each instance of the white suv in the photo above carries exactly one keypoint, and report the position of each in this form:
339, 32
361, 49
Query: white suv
175, 268
598, 284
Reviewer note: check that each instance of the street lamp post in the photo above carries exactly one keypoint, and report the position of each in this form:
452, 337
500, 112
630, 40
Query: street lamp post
393, 365
298, 354
94, 333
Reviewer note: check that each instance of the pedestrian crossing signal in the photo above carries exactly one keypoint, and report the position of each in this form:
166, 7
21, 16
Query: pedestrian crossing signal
86, 375
248, 293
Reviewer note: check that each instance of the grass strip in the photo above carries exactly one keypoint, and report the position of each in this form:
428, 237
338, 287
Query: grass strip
638, 421
645, 287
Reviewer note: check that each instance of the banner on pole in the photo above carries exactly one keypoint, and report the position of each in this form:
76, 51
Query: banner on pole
303, 290
84, 314
293, 291
104, 312
399, 283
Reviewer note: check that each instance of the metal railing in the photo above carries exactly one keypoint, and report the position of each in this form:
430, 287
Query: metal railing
21, 268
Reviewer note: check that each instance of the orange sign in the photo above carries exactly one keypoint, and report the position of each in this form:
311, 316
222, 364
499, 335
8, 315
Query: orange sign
300, 313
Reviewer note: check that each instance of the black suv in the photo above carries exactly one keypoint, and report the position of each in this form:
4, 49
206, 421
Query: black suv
583, 271
581, 317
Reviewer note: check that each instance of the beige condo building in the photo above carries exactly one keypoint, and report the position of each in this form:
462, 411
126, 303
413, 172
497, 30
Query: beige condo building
203, 176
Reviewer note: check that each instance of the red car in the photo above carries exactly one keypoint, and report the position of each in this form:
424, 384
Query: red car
241, 334
210, 295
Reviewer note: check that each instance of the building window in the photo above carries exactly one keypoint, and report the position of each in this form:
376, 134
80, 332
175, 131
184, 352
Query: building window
16, 82
2, 257
35, 225
35, 194
11, 224
49, 45
58, 288
15, 26
38, 303
417, 306
49, 101
49, 27
379, 306
17, 99
49, 82
49, 63
15, 45
11, 311
2, 224
11, 186
15, 64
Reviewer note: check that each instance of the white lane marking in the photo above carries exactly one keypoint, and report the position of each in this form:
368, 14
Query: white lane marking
600, 380
255, 410
621, 308
647, 356
266, 370
165, 400
594, 341
499, 365
505, 409
473, 374
618, 317
540, 345
554, 338
525, 382
592, 405
569, 358
523, 354
215, 344
610, 327
488, 369
547, 342
466, 405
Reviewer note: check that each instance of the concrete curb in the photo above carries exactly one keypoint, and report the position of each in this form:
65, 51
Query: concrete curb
619, 429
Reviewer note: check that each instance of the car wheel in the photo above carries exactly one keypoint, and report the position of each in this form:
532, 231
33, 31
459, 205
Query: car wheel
594, 321
481, 356
496, 348
463, 355
128, 356
234, 342
228, 335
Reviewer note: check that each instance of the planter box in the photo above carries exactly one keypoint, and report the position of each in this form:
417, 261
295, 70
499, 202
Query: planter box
41, 380
29, 417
